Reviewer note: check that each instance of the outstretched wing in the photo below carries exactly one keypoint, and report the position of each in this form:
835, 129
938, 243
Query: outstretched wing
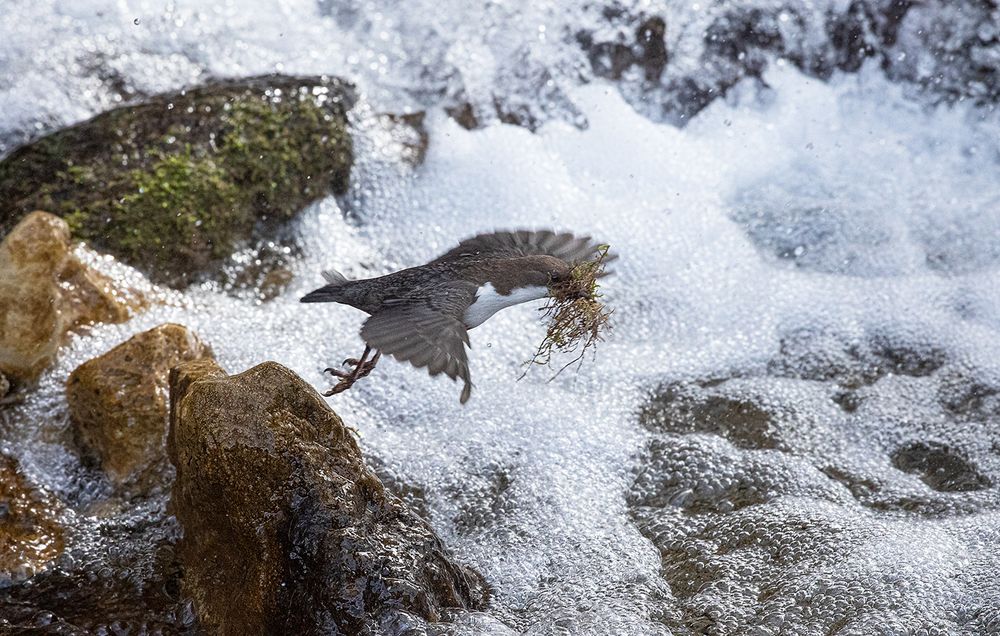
512, 244
427, 331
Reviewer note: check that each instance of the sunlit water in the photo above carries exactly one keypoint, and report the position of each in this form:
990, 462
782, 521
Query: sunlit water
841, 214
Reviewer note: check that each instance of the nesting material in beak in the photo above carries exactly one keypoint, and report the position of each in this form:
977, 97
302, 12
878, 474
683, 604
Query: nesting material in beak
578, 320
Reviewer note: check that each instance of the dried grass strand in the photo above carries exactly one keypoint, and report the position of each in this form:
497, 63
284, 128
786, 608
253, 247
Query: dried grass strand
577, 319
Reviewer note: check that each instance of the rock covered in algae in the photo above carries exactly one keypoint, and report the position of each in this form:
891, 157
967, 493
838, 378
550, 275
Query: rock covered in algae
175, 184
31, 536
118, 402
45, 290
285, 528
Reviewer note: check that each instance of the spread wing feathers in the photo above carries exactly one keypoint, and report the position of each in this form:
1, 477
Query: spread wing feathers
524, 243
426, 333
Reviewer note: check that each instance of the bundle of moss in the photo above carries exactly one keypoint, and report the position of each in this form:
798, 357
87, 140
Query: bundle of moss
577, 319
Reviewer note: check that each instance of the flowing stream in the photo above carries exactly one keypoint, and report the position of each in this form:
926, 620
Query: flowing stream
794, 234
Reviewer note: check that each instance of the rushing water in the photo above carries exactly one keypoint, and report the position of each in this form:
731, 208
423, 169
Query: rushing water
787, 238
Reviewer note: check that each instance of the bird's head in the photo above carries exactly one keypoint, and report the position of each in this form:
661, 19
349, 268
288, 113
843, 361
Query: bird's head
547, 273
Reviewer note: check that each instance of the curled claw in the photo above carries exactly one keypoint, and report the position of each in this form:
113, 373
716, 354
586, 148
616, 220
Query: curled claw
362, 367
338, 388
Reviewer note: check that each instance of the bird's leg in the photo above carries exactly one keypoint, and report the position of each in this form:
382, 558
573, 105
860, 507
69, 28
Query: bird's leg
367, 367
354, 362
362, 367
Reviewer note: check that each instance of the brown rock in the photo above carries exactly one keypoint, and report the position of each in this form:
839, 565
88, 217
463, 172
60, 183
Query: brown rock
44, 292
30, 536
118, 402
409, 134
285, 528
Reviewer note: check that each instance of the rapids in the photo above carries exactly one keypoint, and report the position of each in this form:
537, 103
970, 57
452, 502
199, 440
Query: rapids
786, 235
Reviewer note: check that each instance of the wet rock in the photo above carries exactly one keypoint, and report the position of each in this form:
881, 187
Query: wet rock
484, 497
133, 589
285, 528
45, 291
692, 409
965, 395
414, 496
409, 133
945, 50
950, 48
817, 354
647, 50
118, 403
940, 467
260, 272
176, 184
31, 536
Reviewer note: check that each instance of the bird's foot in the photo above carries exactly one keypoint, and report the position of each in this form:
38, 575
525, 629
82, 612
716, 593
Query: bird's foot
362, 367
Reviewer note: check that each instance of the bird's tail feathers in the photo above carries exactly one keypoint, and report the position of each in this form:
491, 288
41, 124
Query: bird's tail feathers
334, 278
329, 293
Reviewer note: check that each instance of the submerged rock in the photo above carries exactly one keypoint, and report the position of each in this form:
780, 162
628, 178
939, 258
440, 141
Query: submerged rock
31, 536
176, 184
45, 291
129, 585
118, 403
940, 467
945, 48
285, 528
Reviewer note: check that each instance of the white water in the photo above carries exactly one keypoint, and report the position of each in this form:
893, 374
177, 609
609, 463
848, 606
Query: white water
889, 217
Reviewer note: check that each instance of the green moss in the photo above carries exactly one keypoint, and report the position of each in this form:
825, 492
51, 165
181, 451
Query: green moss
175, 185
181, 199
280, 151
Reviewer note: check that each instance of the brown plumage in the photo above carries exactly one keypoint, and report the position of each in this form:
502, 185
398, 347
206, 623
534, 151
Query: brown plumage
422, 315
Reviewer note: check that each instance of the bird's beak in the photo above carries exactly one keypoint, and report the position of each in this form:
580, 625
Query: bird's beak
566, 291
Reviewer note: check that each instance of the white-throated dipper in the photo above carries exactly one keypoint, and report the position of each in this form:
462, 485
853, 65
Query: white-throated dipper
422, 314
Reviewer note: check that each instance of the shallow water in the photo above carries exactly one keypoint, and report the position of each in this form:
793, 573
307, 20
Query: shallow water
796, 249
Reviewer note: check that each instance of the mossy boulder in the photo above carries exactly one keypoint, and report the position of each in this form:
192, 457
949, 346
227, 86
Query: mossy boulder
118, 404
286, 530
177, 183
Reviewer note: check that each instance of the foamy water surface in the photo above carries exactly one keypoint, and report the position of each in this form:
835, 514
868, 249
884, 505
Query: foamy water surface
782, 236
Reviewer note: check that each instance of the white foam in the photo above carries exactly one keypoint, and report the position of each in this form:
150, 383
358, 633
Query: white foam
720, 256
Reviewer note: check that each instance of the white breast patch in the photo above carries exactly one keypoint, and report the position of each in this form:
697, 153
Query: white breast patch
489, 302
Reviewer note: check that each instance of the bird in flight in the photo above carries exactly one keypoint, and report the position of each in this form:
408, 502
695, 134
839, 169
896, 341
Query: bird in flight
422, 315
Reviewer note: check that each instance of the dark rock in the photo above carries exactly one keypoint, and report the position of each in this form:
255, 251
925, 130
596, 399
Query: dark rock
944, 49
692, 409
285, 528
967, 394
260, 272
31, 536
652, 56
118, 404
940, 467
464, 115
134, 588
647, 50
485, 496
176, 184
410, 134
820, 355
